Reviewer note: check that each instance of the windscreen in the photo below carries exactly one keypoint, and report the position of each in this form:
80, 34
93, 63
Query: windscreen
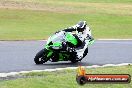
58, 37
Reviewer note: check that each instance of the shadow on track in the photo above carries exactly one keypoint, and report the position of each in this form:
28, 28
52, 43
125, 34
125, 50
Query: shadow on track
67, 64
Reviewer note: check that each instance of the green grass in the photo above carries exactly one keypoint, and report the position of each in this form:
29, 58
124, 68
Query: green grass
65, 79
107, 20
96, 1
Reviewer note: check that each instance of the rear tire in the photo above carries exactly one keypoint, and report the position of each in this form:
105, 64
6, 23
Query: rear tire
85, 52
73, 58
74, 61
39, 58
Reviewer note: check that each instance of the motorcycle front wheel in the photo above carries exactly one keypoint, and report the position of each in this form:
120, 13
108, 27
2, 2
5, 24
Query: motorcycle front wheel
40, 57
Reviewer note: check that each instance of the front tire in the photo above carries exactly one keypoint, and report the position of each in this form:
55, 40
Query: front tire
39, 58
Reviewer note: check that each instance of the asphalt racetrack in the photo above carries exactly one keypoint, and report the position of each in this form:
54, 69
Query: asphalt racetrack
18, 56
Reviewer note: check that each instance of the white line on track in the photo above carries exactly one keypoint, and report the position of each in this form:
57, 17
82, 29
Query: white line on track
114, 39
57, 69
100, 39
46, 40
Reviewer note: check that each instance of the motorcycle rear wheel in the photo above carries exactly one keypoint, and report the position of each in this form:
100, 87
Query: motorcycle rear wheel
77, 60
74, 61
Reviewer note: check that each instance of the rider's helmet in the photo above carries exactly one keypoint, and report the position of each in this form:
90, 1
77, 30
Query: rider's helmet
81, 26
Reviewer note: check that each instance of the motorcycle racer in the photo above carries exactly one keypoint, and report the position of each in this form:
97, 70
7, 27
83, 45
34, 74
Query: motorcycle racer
65, 45
83, 33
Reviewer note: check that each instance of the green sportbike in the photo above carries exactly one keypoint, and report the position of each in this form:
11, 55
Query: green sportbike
60, 47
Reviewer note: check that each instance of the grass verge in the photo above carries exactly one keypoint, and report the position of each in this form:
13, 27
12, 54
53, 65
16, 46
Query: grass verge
65, 79
38, 21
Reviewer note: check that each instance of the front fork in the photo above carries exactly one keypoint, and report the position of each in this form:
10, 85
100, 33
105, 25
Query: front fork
53, 56
49, 53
